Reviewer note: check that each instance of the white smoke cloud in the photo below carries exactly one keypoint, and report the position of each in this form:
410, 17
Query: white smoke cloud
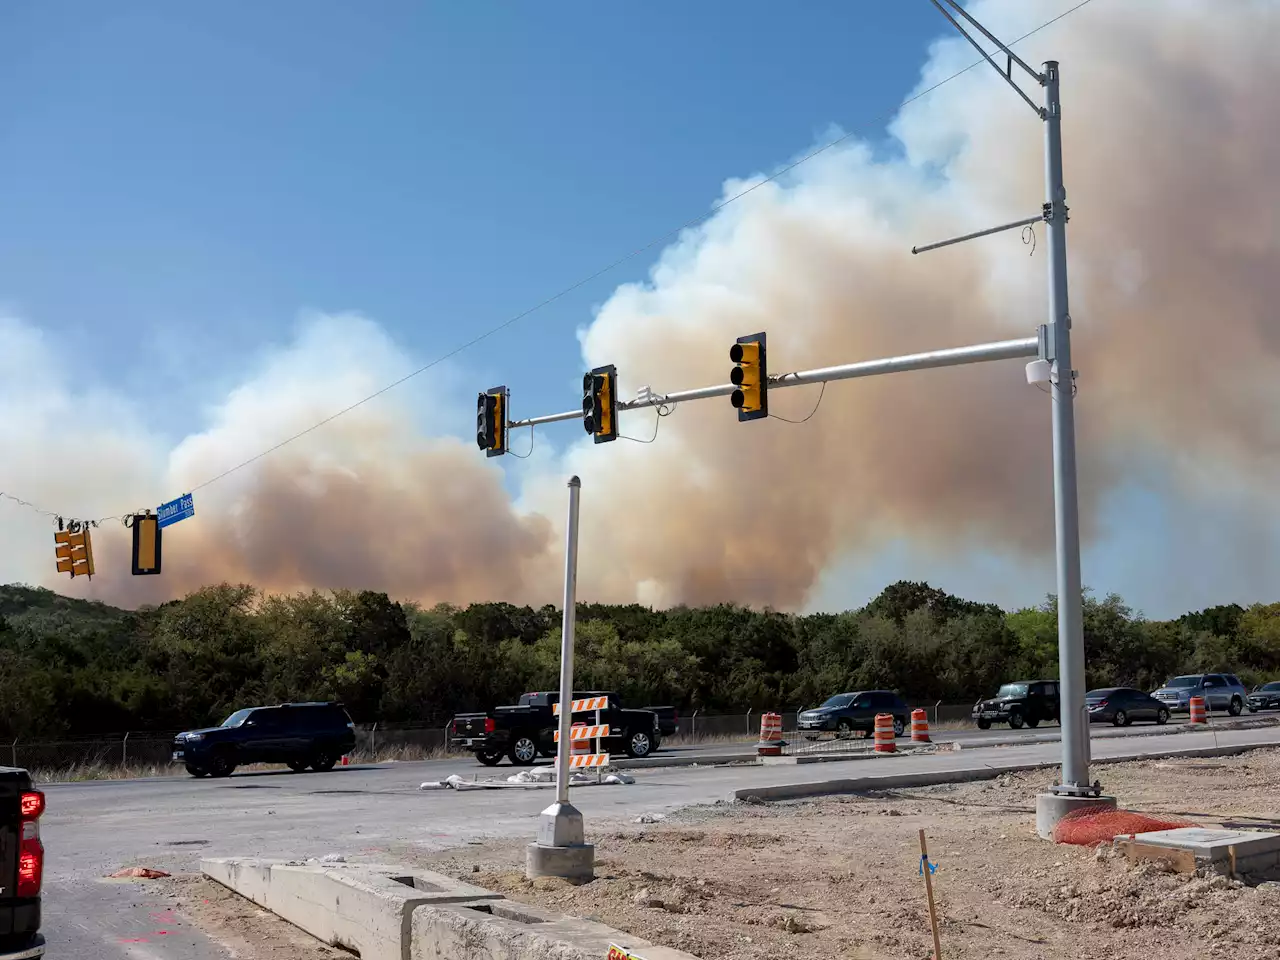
1170, 151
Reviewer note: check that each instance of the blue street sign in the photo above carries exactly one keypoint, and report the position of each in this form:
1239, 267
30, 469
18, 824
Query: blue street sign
176, 510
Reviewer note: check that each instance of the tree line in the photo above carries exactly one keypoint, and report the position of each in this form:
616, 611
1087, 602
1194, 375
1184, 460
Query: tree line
72, 668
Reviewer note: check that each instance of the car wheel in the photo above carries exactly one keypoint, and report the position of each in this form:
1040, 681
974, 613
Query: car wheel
523, 751
984, 724
1033, 722
639, 745
490, 758
844, 728
324, 759
899, 726
1237, 707
1162, 716
297, 766
223, 764
1121, 719
1016, 719
197, 771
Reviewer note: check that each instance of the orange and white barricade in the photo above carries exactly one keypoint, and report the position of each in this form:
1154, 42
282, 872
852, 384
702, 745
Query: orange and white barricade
919, 726
1198, 712
885, 740
770, 744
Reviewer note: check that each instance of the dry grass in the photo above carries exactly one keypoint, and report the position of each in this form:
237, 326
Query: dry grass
80, 772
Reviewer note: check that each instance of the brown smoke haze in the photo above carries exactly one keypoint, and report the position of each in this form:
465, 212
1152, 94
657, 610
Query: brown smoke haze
1172, 140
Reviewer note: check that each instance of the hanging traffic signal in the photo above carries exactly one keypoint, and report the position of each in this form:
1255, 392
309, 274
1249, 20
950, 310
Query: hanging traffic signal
751, 376
491, 421
599, 403
74, 551
146, 544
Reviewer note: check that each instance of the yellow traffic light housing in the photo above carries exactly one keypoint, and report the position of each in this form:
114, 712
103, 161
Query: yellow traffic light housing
146, 544
600, 403
74, 550
491, 421
750, 375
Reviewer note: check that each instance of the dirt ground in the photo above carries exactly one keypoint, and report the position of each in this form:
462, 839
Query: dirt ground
245, 929
840, 877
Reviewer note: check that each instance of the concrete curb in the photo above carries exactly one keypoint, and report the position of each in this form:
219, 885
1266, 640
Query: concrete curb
826, 788
940, 743
390, 912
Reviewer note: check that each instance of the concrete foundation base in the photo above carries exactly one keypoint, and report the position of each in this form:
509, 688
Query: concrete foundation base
1052, 808
577, 863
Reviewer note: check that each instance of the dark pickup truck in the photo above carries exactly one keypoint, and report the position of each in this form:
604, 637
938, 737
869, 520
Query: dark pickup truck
668, 720
1023, 702
21, 866
524, 731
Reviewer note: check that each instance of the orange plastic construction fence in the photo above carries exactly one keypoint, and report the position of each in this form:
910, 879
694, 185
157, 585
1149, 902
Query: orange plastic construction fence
1088, 829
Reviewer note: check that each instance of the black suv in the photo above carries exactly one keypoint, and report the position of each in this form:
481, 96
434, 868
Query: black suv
302, 735
846, 712
21, 866
1021, 702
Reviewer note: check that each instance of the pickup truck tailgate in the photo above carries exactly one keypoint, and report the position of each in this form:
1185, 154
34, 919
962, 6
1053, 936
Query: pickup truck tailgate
18, 918
470, 725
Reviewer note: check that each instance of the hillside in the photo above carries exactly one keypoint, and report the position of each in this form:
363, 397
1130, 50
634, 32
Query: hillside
73, 667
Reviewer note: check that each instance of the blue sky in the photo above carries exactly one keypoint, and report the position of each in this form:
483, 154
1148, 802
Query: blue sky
179, 180
182, 183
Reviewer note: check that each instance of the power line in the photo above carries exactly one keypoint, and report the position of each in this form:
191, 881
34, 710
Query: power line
564, 292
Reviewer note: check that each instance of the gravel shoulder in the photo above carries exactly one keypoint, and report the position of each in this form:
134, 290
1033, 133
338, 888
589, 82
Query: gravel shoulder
840, 876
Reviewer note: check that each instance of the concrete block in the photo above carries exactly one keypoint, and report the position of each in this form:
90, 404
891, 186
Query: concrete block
1257, 854
576, 863
367, 908
1208, 844
247, 876
502, 930
1052, 808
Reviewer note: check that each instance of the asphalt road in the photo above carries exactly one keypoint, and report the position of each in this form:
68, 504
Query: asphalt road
375, 813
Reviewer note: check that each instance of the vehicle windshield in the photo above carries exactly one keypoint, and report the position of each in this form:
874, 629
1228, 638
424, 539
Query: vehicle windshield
839, 700
1193, 681
1099, 694
237, 718
1013, 690
1274, 685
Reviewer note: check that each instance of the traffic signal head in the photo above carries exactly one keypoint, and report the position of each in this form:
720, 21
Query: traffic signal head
491, 421
751, 377
74, 552
600, 403
146, 545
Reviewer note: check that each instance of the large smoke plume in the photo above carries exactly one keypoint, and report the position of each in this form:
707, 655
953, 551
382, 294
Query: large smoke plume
1172, 141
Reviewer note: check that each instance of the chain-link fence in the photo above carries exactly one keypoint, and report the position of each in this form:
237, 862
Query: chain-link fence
387, 741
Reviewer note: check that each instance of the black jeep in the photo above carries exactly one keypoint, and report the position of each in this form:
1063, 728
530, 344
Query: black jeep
1022, 702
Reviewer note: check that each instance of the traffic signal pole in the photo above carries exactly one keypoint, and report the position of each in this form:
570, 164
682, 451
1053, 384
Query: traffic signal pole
1052, 350
951, 357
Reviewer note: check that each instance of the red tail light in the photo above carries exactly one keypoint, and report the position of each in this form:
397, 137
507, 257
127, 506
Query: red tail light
455, 728
1101, 703
30, 861
32, 805
488, 725
30, 849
